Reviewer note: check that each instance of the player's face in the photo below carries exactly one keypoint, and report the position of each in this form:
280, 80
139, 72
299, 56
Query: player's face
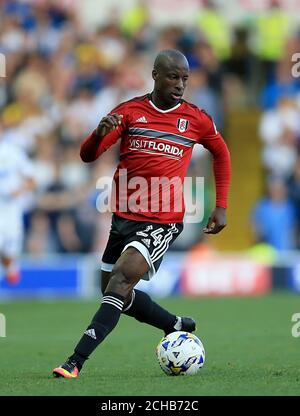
170, 83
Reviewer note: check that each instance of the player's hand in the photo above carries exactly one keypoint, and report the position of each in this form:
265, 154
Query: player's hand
18, 192
108, 124
216, 221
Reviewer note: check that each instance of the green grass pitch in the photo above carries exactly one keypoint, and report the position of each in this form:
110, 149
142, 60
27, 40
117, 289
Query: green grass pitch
249, 349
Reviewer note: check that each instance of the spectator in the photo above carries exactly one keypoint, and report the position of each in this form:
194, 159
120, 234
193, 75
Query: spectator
271, 31
284, 85
216, 29
201, 94
279, 129
274, 217
293, 185
63, 75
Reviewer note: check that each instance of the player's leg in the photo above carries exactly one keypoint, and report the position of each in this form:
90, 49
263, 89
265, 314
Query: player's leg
128, 270
110, 257
153, 241
11, 247
145, 310
12, 272
140, 306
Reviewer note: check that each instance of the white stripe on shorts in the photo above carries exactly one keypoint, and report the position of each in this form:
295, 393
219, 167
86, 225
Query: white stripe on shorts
164, 245
106, 267
145, 253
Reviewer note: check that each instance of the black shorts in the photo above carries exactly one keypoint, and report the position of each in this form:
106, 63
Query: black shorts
151, 239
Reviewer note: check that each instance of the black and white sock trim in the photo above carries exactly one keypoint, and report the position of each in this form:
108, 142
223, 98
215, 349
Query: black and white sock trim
111, 300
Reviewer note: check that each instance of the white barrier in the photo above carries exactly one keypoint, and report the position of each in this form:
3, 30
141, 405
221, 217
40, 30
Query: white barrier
2, 325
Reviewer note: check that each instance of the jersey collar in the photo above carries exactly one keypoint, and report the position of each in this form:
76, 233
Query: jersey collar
163, 111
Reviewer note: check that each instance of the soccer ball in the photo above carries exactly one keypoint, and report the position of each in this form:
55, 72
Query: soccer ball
180, 353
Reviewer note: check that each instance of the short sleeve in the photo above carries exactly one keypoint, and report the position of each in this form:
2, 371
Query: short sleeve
122, 110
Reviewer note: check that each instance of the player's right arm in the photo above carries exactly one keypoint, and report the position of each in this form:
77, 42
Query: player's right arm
105, 135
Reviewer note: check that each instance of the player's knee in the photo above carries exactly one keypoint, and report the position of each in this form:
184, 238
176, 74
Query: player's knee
133, 264
123, 280
123, 276
128, 270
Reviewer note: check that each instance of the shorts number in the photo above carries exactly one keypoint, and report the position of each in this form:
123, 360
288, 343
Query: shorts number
157, 236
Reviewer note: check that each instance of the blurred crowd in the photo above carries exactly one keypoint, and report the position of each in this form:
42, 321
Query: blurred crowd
276, 216
63, 77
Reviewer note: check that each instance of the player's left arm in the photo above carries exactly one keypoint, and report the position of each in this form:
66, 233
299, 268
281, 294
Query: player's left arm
26, 170
214, 142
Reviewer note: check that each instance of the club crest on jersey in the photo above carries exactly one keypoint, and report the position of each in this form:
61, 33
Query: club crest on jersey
182, 125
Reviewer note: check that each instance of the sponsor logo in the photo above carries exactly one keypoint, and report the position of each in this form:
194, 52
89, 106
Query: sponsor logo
91, 333
141, 120
228, 276
156, 146
146, 241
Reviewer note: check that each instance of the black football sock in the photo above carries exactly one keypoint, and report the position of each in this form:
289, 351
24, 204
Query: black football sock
145, 310
104, 321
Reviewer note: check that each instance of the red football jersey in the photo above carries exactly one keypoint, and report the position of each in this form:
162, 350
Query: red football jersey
155, 151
